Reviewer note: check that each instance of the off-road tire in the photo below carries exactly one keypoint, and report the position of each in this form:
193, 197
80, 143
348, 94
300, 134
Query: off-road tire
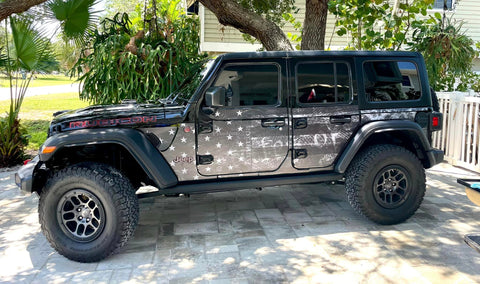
376, 179
111, 198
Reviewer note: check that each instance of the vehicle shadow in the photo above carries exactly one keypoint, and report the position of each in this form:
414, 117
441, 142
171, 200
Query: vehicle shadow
308, 232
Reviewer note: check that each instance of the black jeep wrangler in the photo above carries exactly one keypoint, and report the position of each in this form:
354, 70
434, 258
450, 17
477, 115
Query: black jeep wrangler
248, 120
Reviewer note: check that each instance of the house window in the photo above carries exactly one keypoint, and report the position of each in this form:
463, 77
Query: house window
193, 8
439, 4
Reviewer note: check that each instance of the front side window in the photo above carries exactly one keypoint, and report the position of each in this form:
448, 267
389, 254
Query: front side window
391, 81
250, 85
323, 82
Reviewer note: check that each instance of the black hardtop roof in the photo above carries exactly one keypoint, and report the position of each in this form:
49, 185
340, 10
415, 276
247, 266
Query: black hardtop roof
316, 53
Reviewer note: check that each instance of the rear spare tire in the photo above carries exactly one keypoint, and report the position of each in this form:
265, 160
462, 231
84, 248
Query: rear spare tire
88, 211
385, 183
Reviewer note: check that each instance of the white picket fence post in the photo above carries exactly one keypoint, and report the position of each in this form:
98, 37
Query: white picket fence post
460, 135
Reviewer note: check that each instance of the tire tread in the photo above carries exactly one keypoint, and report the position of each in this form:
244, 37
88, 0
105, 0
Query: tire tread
361, 167
122, 193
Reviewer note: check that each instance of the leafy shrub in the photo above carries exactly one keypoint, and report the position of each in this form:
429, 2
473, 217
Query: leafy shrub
378, 25
448, 52
145, 66
12, 141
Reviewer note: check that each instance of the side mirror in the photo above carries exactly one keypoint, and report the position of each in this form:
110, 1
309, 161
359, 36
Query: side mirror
215, 96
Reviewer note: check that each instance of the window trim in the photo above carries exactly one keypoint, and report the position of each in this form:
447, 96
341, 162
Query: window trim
350, 101
279, 94
384, 102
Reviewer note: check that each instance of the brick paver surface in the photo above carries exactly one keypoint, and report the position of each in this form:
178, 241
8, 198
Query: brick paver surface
301, 234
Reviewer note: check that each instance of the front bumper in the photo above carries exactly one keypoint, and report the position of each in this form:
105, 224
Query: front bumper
24, 176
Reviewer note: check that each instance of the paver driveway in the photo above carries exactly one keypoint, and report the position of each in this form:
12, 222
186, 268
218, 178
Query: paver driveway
301, 234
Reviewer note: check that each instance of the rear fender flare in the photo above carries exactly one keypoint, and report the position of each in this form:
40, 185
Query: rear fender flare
376, 127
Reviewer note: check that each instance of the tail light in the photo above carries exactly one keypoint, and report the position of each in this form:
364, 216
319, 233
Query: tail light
436, 119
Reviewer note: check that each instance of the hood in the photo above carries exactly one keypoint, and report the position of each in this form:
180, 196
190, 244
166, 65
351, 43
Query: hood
121, 115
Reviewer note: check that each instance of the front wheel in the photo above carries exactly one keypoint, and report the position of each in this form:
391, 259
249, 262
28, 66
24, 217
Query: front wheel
385, 183
88, 211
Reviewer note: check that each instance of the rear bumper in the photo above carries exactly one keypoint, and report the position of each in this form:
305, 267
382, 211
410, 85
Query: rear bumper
437, 156
24, 176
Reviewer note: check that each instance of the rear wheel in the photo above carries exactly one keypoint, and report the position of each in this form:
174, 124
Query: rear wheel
385, 183
88, 211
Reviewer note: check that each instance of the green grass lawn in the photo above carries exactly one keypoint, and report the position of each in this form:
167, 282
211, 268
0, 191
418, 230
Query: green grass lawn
37, 130
40, 81
36, 113
42, 107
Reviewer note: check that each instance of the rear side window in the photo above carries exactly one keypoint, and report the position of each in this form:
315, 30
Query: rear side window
323, 82
391, 81
250, 85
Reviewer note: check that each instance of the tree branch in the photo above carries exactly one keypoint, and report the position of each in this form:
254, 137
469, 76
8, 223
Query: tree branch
9, 7
230, 13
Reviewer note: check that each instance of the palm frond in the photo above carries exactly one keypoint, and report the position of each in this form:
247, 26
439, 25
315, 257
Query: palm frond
76, 17
29, 44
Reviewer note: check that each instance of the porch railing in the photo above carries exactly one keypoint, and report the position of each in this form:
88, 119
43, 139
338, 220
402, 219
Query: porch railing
460, 135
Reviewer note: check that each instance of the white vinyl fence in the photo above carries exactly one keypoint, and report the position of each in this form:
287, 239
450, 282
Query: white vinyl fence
460, 135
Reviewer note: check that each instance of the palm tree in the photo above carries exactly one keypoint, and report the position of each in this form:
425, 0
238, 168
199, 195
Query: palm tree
27, 53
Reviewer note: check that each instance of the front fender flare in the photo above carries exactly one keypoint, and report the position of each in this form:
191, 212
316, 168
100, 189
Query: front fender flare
147, 156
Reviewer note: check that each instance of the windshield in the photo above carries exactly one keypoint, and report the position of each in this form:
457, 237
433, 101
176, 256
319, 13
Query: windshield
187, 88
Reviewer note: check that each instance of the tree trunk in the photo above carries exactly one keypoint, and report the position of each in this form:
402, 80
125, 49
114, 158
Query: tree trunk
9, 7
314, 25
230, 13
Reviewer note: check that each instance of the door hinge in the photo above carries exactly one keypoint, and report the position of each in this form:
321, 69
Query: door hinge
205, 127
300, 153
205, 159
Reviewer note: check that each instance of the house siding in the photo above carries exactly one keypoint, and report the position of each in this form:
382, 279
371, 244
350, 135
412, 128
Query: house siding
469, 11
219, 38
217, 35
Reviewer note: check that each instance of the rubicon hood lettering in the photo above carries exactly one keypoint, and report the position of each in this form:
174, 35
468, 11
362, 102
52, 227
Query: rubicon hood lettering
118, 115
112, 122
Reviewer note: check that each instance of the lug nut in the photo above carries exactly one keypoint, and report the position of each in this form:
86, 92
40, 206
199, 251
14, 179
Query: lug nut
80, 217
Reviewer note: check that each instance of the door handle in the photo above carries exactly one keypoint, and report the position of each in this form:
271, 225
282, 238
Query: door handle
340, 119
300, 123
273, 122
300, 153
